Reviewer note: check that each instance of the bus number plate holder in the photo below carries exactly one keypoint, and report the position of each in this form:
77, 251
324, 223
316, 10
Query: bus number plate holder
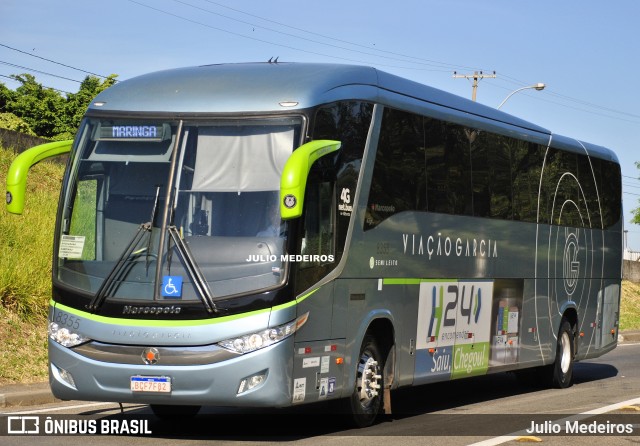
151, 384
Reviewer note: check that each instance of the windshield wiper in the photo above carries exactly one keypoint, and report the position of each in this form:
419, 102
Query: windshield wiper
109, 282
199, 282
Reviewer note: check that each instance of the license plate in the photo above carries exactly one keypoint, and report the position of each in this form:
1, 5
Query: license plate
152, 384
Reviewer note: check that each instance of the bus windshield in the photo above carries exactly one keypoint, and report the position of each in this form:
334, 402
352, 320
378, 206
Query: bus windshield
220, 216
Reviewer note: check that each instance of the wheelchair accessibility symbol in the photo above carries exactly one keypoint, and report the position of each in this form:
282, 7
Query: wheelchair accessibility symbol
172, 286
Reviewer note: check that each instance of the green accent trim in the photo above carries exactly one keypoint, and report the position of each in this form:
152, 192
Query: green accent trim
165, 322
475, 306
479, 351
412, 281
304, 296
401, 281
294, 175
170, 323
17, 174
437, 311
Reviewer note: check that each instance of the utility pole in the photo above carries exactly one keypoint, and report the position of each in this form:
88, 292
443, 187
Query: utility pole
475, 76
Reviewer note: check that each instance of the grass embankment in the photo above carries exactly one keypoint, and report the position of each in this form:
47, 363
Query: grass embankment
630, 306
25, 273
25, 276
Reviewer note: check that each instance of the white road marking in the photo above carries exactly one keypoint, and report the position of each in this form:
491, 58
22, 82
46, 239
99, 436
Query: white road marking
580, 416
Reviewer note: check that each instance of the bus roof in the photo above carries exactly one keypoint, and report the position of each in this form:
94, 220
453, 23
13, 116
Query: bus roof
264, 87
261, 87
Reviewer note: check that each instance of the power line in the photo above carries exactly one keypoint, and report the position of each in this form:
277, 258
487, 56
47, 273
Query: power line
428, 61
335, 39
416, 60
368, 48
38, 71
45, 86
256, 39
53, 61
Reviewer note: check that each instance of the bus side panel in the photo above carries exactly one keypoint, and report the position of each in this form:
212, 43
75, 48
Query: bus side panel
318, 371
319, 304
577, 271
535, 345
321, 356
589, 312
610, 314
368, 300
611, 289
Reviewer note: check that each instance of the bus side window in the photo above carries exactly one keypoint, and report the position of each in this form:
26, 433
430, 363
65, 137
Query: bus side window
319, 223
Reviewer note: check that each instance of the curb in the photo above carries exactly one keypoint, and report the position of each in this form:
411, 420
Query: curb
34, 394
16, 395
629, 336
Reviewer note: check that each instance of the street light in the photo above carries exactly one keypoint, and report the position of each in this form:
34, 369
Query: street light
539, 86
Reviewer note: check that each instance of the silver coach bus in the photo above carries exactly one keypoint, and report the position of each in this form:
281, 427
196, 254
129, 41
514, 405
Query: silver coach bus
276, 234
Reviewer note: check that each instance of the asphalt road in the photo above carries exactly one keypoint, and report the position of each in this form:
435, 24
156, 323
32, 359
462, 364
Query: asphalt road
488, 410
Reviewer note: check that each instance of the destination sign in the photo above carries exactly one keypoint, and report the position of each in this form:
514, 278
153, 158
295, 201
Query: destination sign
131, 132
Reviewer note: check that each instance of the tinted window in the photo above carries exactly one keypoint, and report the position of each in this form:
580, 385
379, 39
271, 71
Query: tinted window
427, 164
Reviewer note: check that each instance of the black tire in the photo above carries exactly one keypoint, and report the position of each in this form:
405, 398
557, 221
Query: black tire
366, 401
562, 371
165, 411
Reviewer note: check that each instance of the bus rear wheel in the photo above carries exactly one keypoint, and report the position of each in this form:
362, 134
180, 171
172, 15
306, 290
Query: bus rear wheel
366, 401
562, 372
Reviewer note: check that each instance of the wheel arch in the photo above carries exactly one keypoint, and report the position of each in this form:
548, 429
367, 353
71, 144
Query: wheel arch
381, 326
570, 313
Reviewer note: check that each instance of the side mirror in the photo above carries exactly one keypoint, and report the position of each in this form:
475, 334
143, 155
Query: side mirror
17, 174
294, 176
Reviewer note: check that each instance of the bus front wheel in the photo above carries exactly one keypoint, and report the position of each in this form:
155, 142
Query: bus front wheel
366, 401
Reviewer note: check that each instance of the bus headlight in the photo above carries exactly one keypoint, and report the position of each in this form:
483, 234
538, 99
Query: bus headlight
254, 341
64, 336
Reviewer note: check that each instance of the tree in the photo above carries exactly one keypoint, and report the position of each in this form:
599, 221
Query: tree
10, 121
38, 106
77, 103
6, 95
44, 110
636, 212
